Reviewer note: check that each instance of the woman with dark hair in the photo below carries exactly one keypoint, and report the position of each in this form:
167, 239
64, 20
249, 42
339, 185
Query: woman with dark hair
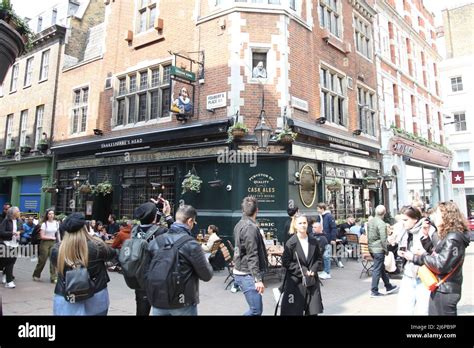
10, 230
301, 258
78, 249
49, 234
419, 235
447, 258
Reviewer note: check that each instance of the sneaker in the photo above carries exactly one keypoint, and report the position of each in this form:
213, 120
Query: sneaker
4, 279
391, 289
376, 294
324, 275
340, 265
10, 285
36, 279
234, 289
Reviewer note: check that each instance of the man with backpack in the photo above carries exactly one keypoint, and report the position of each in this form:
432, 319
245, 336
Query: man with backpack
177, 264
134, 255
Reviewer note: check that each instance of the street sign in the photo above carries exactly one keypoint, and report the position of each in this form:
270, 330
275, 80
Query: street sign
457, 177
184, 74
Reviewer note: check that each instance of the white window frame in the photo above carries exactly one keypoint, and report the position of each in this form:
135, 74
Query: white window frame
463, 161
79, 109
44, 68
145, 7
327, 12
457, 84
14, 78
28, 72
39, 115
9, 131
361, 37
23, 127
124, 94
327, 93
367, 124
460, 122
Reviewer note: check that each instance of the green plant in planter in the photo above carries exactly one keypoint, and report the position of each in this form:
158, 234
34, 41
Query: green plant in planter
61, 217
334, 184
237, 131
104, 188
49, 187
8, 15
10, 152
191, 183
25, 149
42, 145
286, 136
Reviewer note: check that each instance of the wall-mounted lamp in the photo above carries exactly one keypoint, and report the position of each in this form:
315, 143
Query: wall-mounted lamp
387, 179
98, 132
262, 132
321, 120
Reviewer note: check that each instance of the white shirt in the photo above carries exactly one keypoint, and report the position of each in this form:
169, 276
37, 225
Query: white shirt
305, 245
50, 229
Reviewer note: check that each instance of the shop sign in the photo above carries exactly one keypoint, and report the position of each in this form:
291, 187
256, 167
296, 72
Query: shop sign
411, 150
262, 187
184, 74
215, 101
269, 149
299, 104
121, 143
308, 185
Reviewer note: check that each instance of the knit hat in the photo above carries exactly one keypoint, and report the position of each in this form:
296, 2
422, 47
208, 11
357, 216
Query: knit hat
146, 213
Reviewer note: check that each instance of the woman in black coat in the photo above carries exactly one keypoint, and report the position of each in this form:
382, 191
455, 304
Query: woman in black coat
10, 230
301, 256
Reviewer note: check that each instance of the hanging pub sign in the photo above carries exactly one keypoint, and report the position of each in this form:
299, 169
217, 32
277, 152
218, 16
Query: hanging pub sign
308, 185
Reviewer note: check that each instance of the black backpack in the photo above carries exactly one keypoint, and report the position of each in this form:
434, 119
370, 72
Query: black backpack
35, 235
78, 286
134, 256
163, 283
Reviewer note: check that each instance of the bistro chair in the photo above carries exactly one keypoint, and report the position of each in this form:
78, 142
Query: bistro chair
352, 245
366, 258
229, 264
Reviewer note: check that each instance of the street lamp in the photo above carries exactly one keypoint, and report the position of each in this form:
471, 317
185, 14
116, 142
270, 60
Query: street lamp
388, 181
76, 183
262, 132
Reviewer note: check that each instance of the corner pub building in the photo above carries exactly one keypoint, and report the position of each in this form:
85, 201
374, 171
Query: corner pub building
130, 138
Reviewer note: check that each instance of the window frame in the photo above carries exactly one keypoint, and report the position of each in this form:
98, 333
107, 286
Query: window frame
457, 83
327, 93
23, 127
14, 78
459, 123
127, 101
39, 117
9, 131
44, 67
27, 81
359, 35
461, 161
145, 7
369, 100
79, 110
324, 7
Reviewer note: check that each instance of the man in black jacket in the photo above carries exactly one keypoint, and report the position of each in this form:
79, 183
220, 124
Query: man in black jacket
6, 206
147, 214
250, 257
193, 266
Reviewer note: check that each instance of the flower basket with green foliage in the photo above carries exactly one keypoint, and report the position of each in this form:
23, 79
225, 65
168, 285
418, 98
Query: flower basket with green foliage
25, 149
334, 185
237, 131
11, 18
104, 188
9, 152
49, 187
191, 183
42, 145
86, 187
61, 217
286, 136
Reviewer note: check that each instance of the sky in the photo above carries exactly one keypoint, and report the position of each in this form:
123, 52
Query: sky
30, 8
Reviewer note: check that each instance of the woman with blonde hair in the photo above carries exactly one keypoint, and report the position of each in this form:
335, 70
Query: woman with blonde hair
301, 259
79, 249
447, 259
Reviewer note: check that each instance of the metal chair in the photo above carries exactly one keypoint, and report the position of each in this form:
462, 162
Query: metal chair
229, 264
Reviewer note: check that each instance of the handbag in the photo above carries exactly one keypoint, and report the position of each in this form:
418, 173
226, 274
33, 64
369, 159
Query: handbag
78, 286
389, 262
307, 281
429, 279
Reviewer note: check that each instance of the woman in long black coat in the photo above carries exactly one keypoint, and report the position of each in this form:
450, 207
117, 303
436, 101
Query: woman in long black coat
298, 299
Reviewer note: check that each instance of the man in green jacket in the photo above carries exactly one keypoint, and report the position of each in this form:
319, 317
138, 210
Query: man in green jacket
377, 238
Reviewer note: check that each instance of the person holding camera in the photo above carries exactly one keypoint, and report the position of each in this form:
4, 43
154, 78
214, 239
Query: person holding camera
413, 298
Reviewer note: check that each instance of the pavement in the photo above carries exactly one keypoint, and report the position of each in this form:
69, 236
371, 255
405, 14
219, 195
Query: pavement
344, 294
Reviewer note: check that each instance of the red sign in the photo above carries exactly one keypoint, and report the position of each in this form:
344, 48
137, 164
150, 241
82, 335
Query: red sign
457, 177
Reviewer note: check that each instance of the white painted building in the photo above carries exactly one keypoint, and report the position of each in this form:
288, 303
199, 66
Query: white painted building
457, 74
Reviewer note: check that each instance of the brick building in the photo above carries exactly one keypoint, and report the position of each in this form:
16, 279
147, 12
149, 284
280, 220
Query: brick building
410, 103
29, 104
319, 79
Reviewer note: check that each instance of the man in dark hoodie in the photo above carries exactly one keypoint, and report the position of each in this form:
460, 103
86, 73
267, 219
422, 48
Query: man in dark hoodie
146, 213
329, 228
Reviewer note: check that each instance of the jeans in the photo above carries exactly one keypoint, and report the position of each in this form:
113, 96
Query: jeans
254, 299
327, 258
443, 304
188, 310
143, 306
96, 305
413, 297
379, 271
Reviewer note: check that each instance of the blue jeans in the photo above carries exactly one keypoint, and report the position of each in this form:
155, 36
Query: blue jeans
327, 258
96, 305
379, 271
254, 299
188, 310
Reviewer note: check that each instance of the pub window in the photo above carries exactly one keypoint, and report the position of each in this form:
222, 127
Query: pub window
330, 16
333, 96
143, 95
79, 111
146, 15
366, 110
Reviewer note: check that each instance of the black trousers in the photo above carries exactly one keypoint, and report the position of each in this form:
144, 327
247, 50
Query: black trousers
7, 263
443, 304
143, 306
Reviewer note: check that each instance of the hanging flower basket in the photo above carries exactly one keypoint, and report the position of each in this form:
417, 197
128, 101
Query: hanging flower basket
286, 136
191, 183
86, 188
236, 132
334, 185
104, 188
51, 188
